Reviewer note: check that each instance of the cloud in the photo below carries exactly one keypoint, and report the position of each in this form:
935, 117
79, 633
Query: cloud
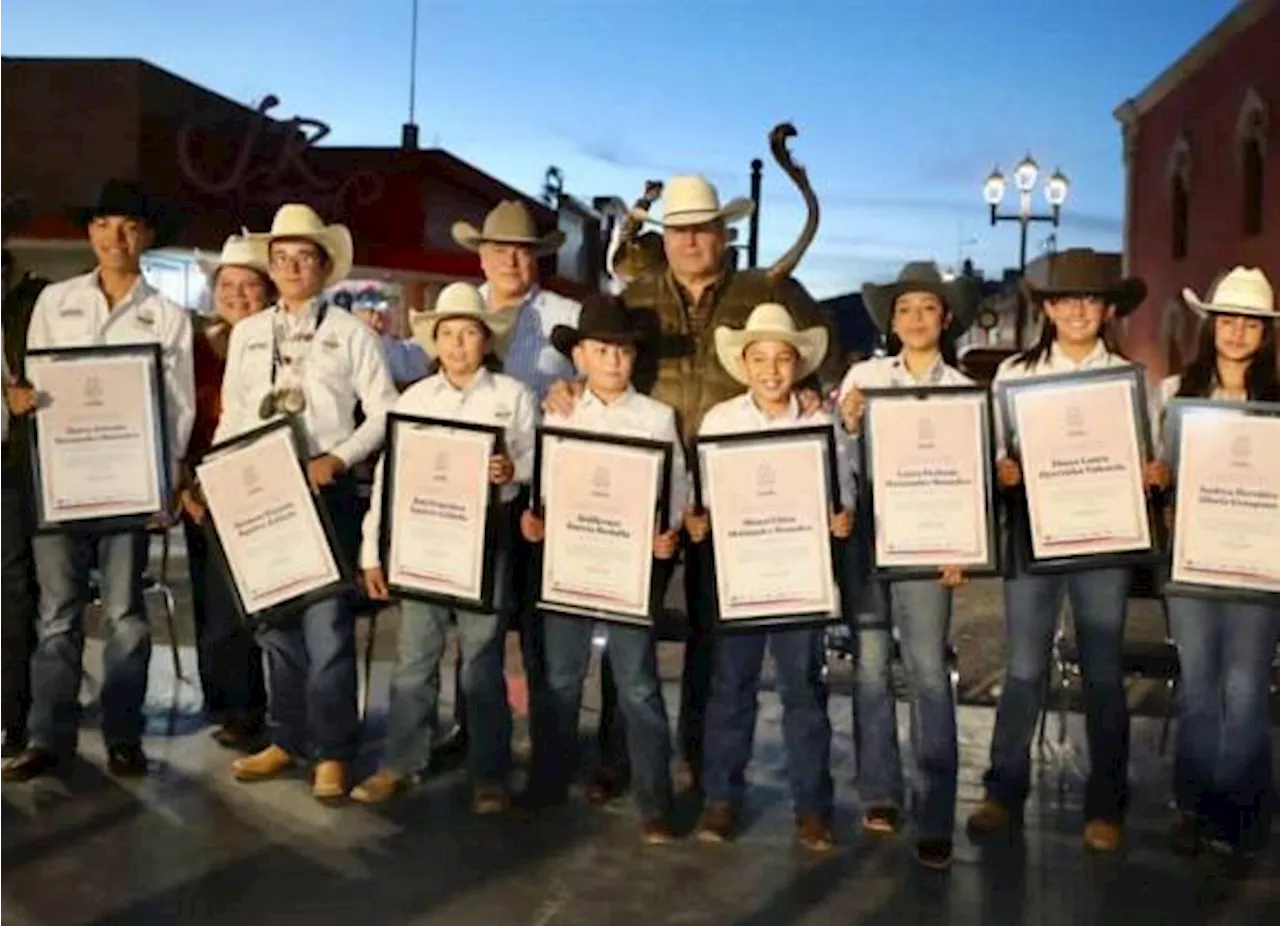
619, 153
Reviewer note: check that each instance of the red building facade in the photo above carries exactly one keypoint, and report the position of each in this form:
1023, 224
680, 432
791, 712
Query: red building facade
1202, 160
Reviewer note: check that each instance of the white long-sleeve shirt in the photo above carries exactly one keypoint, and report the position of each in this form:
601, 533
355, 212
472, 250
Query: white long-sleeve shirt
75, 313
634, 415
343, 365
491, 398
741, 415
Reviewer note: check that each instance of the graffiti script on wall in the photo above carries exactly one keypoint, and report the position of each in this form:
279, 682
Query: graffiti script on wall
261, 179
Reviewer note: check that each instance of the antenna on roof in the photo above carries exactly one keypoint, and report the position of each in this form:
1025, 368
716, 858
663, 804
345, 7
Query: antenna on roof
409, 131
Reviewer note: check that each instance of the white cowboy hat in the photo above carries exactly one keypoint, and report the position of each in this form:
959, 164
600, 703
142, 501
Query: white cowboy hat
237, 251
508, 222
770, 321
457, 300
298, 220
1243, 291
693, 200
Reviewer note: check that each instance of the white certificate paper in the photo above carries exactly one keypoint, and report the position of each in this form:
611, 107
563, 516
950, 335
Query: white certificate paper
1082, 467
600, 512
97, 434
770, 504
438, 509
1227, 520
265, 516
928, 471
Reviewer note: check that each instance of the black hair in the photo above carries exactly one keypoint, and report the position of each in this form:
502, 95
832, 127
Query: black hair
1261, 380
946, 340
1038, 351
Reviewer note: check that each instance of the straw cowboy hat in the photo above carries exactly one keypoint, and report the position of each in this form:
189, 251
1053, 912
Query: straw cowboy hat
508, 222
603, 318
298, 220
457, 300
770, 321
693, 200
1085, 272
960, 295
1242, 291
237, 251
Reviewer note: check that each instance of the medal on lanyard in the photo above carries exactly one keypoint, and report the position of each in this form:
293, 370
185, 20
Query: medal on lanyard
288, 400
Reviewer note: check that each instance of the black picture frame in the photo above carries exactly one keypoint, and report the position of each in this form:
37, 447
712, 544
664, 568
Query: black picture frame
1174, 413
800, 619
42, 523
663, 503
992, 566
1018, 516
396, 421
282, 611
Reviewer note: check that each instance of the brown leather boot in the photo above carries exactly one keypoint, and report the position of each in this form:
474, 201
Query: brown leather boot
990, 819
814, 833
271, 762
716, 823
1103, 836
381, 786
329, 781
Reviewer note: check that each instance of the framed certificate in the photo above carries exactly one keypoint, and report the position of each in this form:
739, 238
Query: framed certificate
602, 499
439, 526
770, 495
929, 482
1082, 440
270, 533
1227, 502
100, 454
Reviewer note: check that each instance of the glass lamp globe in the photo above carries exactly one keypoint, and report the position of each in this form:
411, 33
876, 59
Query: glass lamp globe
1056, 187
993, 187
1024, 175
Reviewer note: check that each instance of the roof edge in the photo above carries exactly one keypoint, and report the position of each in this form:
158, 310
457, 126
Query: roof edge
1245, 14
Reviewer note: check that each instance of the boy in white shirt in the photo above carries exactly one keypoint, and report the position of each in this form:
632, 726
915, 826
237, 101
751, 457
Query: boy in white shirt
463, 390
603, 347
769, 356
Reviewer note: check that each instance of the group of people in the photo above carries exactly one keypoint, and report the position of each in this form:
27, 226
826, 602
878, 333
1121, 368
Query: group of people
696, 347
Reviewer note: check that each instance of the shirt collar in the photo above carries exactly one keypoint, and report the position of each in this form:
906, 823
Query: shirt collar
710, 295
308, 314
139, 291
483, 380
530, 298
792, 413
1058, 358
932, 376
589, 399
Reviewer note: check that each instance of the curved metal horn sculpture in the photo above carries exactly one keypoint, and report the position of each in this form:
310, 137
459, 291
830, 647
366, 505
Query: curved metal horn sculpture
636, 253
785, 265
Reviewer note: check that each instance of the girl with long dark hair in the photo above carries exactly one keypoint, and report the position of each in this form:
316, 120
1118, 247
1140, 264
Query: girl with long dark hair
1222, 769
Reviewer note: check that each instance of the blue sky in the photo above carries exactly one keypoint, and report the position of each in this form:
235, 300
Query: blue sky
903, 106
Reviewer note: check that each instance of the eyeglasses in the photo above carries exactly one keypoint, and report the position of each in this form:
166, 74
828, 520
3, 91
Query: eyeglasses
306, 260
247, 288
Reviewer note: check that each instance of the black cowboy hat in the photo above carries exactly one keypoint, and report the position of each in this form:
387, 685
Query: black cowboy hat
126, 198
604, 318
960, 295
1085, 272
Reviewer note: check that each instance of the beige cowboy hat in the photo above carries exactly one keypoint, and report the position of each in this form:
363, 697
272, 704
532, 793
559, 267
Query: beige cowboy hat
298, 220
1242, 291
457, 300
770, 321
960, 295
508, 222
694, 200
237, 251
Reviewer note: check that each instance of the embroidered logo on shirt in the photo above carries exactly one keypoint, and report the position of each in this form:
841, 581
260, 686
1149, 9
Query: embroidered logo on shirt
71, 313
503, 414
256, 345
145, 320
330, 344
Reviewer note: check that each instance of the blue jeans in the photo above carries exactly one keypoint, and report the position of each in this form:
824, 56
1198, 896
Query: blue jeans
921, 612
312, 683
1222, 770
731, 716
19, 616
63, 562
413, 719
635, 673
1099, 602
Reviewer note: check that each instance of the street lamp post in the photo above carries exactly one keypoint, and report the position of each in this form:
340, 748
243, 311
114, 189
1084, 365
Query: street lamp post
1024, 178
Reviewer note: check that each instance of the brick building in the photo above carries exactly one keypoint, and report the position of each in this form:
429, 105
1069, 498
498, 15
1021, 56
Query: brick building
72, 123
1202, 162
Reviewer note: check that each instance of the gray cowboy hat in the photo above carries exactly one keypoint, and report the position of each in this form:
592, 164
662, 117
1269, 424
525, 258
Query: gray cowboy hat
960, 295
1085, 272
509, 222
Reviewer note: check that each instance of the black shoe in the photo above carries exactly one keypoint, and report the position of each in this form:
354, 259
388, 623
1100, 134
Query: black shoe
450, 752
30, 763
934, 853
241, 734
127, 761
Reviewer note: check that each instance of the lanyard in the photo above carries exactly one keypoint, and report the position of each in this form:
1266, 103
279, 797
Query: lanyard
277, 360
